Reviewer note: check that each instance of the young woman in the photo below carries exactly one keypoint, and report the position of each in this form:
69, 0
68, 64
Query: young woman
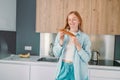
73, 51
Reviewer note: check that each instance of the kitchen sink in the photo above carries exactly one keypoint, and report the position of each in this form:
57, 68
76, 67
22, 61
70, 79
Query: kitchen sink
48, 59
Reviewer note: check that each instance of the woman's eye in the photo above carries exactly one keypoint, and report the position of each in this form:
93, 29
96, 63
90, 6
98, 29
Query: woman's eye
74, 19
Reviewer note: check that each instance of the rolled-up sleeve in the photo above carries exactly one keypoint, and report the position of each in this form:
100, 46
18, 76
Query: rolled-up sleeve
85, 52
57, 48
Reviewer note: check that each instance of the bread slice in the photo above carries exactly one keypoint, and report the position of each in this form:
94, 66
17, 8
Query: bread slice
67, 32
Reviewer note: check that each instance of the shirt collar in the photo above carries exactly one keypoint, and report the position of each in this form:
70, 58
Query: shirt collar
78, 33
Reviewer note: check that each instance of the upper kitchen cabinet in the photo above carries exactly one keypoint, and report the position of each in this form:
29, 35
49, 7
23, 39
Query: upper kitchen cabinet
105, 17
83, 7
49, 15
99, 16
8, 15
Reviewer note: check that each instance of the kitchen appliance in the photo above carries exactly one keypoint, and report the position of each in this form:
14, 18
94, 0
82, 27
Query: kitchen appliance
95, 55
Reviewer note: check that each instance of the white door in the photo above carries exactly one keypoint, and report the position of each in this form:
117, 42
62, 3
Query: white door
103, 78
105, 74
43, 72
14, 71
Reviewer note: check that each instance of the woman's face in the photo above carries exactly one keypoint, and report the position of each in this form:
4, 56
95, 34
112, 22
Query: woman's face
73, 22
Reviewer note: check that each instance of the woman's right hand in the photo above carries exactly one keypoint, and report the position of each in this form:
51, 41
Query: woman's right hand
61, 37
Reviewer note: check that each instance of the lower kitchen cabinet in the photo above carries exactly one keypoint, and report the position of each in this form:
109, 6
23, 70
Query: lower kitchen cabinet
103, 79
43, 72
28, 70
97, 74
9, 71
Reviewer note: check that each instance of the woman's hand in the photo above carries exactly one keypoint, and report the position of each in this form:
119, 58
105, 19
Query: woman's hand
61, 37
76, 42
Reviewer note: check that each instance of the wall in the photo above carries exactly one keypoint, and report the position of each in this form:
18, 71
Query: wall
117, 47
26, 35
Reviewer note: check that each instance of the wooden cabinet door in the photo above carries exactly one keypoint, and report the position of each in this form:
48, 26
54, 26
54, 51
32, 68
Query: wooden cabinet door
99, 16
49, 15
83, 7
105, 17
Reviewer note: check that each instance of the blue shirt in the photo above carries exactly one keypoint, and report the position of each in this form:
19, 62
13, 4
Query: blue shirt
80, 58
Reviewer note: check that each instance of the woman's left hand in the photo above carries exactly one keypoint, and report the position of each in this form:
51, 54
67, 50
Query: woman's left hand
76, 42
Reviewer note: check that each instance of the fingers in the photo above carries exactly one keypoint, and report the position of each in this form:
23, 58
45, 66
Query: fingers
67, 32
61, 33
76, 43
74, 39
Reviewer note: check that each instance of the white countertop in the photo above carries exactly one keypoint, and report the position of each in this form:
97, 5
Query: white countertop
32, 60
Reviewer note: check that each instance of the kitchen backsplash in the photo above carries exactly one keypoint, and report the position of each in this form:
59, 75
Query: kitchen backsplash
117, 47
7, 43
25, 27
104, 44
107, 45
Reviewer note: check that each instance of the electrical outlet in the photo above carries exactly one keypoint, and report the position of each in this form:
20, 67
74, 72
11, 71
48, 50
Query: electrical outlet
28, 48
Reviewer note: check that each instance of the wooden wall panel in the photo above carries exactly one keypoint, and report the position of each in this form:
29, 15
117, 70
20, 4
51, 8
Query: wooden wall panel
99, 16
105, 17
49, 15
83, 7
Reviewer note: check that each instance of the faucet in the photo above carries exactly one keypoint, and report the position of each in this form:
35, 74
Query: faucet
51, 50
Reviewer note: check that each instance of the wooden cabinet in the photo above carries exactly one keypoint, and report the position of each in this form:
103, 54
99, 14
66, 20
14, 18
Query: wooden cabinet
83, 7
9, 71
43, 72
99, 16
105, 17
49, 15
96, 74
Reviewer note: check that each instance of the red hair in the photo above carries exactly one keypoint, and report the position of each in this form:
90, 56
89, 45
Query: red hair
79, 18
